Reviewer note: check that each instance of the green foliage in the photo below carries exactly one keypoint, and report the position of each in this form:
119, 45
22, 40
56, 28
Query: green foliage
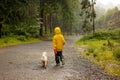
101, 55
116, 53
86, 37
23, 29
17, 11
103, 35
6, 40
33, 32
15, 40
95, 54
103, 48
85, 3
89, 15
109, 20
21, 38
91, 50
110, 12
99, 49
87, 53
17, 16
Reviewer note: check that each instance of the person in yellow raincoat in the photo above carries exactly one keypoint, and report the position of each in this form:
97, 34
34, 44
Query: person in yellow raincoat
58, 43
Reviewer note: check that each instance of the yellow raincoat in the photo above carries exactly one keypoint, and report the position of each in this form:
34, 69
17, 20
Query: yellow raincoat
58, 40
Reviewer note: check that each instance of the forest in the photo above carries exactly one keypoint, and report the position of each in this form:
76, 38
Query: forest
35, 18
26, 21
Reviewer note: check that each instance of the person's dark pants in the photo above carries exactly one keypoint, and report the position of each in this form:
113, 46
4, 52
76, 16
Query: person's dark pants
58, 57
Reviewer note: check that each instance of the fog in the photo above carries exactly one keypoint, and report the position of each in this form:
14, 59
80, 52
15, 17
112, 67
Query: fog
106, 4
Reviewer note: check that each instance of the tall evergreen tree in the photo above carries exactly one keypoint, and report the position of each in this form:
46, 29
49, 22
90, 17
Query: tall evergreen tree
88, 13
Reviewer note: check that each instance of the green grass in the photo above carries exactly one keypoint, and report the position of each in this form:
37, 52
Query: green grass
104, 52
95, 43
15, 40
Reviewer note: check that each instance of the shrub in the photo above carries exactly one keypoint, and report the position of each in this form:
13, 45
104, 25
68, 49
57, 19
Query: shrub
116, 53
87, 37
90, 49
103, 35
103, 48
21, 38
95, 55
87, 54
6, 41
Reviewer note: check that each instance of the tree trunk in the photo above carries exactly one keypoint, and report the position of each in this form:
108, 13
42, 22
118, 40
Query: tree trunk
93, 16
1, 19
50, 23
41, 30
0, 30
41, 18
93, 26
45, 21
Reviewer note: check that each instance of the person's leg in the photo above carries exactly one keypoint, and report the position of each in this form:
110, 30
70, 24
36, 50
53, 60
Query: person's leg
57, 59
61, 57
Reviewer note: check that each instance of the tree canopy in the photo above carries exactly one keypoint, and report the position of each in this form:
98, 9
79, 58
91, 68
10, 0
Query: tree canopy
19, 17
110, 19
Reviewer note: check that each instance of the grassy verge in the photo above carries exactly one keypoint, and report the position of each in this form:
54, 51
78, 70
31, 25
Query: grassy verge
103, 48
15, 40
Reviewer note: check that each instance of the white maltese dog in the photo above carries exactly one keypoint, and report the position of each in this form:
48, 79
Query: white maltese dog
44, 59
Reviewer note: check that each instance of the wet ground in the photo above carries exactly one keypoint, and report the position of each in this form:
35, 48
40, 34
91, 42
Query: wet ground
22, 62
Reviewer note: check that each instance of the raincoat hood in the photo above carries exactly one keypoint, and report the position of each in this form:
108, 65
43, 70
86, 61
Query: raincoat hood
58, 39
57, 30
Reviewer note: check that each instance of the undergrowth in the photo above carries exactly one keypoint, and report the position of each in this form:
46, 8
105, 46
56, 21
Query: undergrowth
103, 48
15, 40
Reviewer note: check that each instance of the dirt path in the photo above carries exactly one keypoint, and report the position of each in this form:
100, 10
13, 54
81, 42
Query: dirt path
22, 63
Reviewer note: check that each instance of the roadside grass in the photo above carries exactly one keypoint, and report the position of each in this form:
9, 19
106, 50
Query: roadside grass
103, 52
15, 40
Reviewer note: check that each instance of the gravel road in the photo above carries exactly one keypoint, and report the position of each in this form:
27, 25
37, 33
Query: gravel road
22, 62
